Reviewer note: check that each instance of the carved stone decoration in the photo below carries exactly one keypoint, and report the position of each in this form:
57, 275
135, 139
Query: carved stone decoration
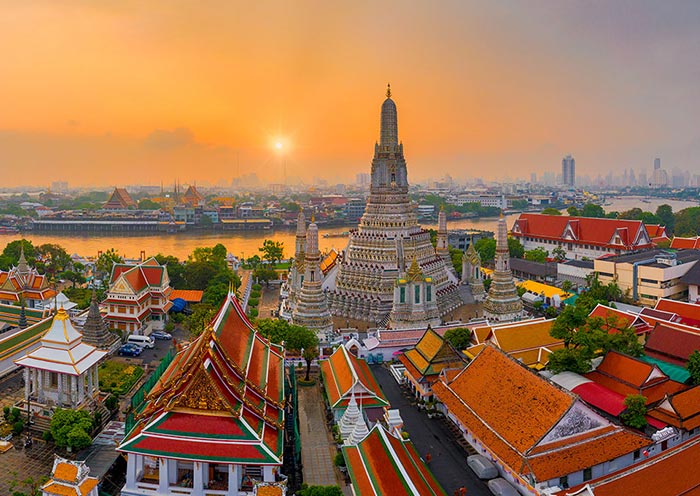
202, 394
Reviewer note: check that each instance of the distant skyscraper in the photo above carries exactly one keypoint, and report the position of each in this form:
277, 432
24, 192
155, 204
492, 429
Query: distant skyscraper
362, 179
657, 163
568, 171
533, 178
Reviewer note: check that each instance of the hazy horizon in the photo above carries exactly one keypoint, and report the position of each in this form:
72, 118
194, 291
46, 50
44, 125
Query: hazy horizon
117, 93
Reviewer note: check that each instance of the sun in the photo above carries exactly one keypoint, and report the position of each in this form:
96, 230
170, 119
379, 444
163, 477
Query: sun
279, 145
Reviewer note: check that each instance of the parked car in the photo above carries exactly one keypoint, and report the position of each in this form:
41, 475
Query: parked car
501, 487
161, 335
130, 349
482, 467
142, 341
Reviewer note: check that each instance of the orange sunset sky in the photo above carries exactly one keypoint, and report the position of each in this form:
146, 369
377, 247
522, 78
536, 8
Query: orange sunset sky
122, 92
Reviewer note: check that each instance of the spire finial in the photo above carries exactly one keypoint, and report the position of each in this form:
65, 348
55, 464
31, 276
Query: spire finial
388, 90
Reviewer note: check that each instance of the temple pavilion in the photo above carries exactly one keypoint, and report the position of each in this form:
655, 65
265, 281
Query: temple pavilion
213, 423
70, 478
24, 283
62, 372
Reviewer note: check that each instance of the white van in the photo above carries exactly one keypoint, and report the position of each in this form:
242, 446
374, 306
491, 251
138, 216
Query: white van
142, 341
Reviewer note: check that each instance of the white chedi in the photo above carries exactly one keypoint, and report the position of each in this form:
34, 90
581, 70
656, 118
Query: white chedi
358, 433
349, 418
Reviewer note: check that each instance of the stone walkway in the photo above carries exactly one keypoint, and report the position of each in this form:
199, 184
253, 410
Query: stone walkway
317, 448
21, 464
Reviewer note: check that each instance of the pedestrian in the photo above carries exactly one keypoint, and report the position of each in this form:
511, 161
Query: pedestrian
462, 491
428, 457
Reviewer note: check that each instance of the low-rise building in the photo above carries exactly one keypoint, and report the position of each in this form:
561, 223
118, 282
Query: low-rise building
24, 283
581, 237
650, 275
538, 435
138, 297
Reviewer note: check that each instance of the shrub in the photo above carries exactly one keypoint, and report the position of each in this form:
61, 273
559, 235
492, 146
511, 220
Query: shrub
70, 428
169, 326
257, 287
253, 312
253, 302
111, 402
255, 294
18, 427
339, 460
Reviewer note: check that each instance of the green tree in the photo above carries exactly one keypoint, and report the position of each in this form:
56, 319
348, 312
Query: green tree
693, 367
147, 204
201, 316
665, 214
551, 211
300, 338
573, 211
592, 210
486, 247
456, 258
54, 258
320, 491
538, 254
72, 276
176, 270
275, 330
635, 412
264, 274
106, 261
459, 338
515, 248
272, 251
520, 204
197, 275
10, 255
568, 359
567, 285
687, 222
71, 428
559, 253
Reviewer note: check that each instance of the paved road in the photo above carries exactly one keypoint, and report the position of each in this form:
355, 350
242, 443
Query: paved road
316, 443
449, 460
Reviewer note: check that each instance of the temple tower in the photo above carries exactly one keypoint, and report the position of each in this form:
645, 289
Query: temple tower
471, 272
311, 308
387, 236
95, 330
296, 275
502, 303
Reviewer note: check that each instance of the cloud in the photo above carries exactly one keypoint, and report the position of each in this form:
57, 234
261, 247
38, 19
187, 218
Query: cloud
163, 139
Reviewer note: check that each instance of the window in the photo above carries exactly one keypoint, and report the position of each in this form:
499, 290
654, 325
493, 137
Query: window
587, 474
564, 482
429, 293
393, 178
402, 297
637, 454
417, 291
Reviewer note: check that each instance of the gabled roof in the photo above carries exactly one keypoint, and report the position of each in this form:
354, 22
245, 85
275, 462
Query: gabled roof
681, 410
526, 422
671, 343
430, 355
382, 464
616, 319
678, 243
220, 399
610, 233
656, 232
627, 375
688, 312
120, 199
135, 278
342, 372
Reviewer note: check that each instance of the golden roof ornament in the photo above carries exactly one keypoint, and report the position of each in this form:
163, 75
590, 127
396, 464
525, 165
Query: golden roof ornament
388, 90
414, 273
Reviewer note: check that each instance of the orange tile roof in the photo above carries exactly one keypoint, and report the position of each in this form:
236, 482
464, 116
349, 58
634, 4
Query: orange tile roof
686, 310
66, 472
511, 411
525, 336
341, 372
55, 489
678, 243
189, 295
681, 410
672, 473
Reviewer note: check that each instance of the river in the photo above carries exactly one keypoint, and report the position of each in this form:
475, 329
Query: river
244, 244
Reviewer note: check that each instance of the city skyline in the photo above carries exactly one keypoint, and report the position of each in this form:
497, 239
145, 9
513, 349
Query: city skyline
118, 93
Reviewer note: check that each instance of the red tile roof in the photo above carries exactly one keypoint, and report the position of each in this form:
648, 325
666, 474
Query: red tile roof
220, 399
630, 234
515, 414
688, 312
678, 243
672, 343
627, 375
381, 464
616, 319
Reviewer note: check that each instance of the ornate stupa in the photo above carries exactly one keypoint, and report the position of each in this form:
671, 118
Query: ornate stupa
502, 303
471, 272
387, 239
296, 274
95, 330
311, 307
442, 247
